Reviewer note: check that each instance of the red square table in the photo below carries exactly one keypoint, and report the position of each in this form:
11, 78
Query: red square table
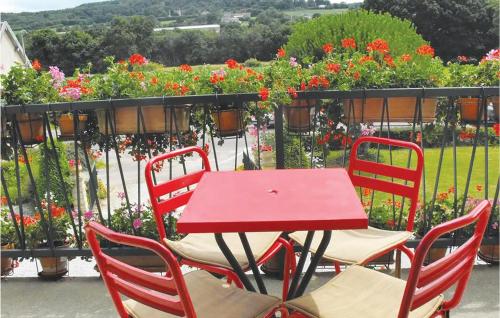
273, 200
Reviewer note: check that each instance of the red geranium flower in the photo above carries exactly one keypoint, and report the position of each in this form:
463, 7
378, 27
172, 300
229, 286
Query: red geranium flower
328, 48
348, 43
185, 68
365, 58
462, 58
378, 45
137, 59
496, 128
264, 93
154, 80
292, 92
302, 86
281, 53
334, 68
231, 63
388, 59
36, 65
425, 49
356, 75
406, 57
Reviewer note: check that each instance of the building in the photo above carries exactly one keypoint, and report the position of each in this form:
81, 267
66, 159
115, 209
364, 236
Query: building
230, 17
11, 51
205, 27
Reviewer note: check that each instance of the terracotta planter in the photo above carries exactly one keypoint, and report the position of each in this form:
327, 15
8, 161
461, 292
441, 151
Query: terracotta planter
157, 119
31, 127
489, 253
401, 109
53, 267
229, 122
298, 115
470, 106
434, 254
7, 261
66, 124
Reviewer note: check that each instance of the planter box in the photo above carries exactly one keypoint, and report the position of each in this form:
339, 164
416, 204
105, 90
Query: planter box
299, 115
150, 263
229, 122
157, 119
489, 253
31, 127
470, 106
401, 109
66, 124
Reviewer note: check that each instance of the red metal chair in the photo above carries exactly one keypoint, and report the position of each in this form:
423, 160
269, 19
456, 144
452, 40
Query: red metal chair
201, 250
197, 294
362, 292
362, 246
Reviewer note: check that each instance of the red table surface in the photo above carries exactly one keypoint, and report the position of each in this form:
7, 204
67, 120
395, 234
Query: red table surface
273, 200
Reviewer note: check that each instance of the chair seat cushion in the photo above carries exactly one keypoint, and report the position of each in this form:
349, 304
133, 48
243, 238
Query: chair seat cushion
355, 246
212, 298
360, 292
203, 248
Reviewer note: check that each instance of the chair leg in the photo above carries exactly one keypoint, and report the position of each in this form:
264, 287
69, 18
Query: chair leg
398, 264
337, 267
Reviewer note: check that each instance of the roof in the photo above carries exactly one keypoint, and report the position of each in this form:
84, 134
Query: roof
5, 29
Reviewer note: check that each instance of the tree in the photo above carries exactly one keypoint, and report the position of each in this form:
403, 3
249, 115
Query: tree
76, 48
454, 27
42, 45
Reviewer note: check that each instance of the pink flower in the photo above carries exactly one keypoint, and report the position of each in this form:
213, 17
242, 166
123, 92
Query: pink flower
121, 195
57, 76
293, 62
137, 223
88, 214
72, 92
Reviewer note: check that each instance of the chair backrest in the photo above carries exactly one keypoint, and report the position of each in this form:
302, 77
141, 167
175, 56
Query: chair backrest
427, 282
360, 169
168, 294
162, 206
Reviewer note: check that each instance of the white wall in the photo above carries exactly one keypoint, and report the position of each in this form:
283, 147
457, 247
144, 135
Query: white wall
8, 54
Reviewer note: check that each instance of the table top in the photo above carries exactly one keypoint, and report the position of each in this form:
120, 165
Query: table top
273, 200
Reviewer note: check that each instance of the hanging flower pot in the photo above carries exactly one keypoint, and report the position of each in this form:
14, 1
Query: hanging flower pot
298, 115
470, 108
229, 121
53, 267
7, 263
31, 127
66, 124
489, 253
401, 109
157, 119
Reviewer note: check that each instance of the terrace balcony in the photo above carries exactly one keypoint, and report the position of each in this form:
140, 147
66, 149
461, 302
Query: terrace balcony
101, 169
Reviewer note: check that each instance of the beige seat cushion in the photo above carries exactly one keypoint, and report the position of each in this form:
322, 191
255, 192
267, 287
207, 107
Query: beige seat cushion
360, 292
203, 248
355, 246
212, 298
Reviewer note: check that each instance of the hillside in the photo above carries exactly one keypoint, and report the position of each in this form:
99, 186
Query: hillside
191, 11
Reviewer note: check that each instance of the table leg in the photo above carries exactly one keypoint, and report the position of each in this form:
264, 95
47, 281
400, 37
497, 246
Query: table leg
300, 264
233, 262
252, 263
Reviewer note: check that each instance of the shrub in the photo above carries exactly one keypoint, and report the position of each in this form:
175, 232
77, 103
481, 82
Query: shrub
308, 37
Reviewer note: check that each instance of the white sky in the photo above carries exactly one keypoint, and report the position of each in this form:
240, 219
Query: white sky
42, 5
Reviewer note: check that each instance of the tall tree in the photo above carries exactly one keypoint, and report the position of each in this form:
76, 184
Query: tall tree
454, 27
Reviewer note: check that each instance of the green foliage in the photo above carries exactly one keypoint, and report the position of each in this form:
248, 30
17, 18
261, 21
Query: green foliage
468, 27
59, 228
295, 154
48, 176
307, 37
24, 85
9, 173
7, 227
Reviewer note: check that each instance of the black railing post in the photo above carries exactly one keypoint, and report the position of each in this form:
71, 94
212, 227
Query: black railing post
278, 137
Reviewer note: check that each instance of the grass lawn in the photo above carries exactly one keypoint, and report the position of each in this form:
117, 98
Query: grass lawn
400, 158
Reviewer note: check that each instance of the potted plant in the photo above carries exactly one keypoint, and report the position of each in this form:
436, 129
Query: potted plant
350, 67
286, 76
8, 238
136, 220
24, 86
468, 75
59, 227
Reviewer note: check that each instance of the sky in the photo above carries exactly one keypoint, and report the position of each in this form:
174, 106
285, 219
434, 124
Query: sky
42, 5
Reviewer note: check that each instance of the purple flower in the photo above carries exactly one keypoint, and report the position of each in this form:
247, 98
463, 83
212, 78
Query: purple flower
57, 76
293, 62
137, 223
88, 214
495, 226
121, 195
139, 208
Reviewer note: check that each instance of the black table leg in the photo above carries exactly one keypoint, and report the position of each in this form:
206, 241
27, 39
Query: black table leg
296, 289
252, 263
300, 264
233, 262
314, 263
